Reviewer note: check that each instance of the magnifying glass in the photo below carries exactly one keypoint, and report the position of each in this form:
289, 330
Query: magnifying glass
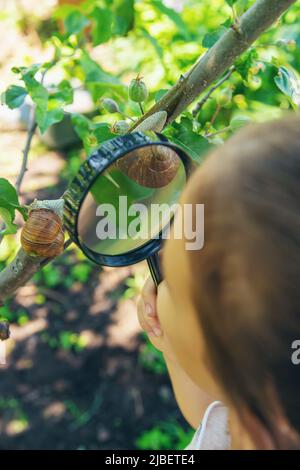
119, 205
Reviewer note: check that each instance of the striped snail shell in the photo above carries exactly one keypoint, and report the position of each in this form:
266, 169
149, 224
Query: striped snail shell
152, 166
42, 234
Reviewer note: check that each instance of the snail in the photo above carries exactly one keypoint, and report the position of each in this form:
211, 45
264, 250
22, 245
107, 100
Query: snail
42, 234
153, 166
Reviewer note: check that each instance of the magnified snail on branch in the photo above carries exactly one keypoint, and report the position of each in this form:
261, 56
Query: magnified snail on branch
150, 166
42, 234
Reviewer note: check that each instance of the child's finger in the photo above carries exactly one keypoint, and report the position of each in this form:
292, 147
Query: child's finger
150, 323
149, 297
141, 316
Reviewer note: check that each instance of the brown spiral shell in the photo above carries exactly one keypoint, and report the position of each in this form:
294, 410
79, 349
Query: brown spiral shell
42, 234
153, 166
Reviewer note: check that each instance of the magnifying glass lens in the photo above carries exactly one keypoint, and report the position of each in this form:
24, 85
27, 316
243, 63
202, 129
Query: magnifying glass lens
132, 201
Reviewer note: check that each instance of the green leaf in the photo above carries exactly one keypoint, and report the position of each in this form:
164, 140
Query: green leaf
245, 62
82, 127
241, 7
231, 2
10, 227
62, 11
288, 82
102, 132
115, 90
194, 144
154, 42
92, 134
211, 38
93, 72
46, 119
8, 192
64, 93
14, 96
29, 71
124, 17
9, 203
102, 29
174, 16
48, 108
39, 96
75, 22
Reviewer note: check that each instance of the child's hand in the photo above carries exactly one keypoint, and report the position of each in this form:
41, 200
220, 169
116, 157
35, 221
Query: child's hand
148, 318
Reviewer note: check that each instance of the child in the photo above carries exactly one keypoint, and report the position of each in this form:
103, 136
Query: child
226, 316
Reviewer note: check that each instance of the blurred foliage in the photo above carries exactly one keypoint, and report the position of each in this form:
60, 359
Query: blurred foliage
17, 419
134, 284
81, 418
167, 435
150, 358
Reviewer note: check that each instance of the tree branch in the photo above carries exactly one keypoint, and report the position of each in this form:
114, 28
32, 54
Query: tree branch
17, 273
219, 58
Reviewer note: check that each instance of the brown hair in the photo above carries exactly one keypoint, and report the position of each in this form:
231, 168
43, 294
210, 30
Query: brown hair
247, 277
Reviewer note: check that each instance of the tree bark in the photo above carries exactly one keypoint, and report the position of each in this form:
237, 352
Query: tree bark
17, 273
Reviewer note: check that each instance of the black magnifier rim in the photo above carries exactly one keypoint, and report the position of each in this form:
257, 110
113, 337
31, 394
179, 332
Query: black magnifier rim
88, 172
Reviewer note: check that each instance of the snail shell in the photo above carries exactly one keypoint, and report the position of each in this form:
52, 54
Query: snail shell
42, 234
153, 166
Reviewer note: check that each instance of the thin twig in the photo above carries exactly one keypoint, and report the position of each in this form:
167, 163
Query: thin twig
205, 98
126, 116
23, 169
216, 113
141, 108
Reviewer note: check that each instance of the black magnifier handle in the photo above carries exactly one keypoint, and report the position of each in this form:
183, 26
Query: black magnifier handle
155, 269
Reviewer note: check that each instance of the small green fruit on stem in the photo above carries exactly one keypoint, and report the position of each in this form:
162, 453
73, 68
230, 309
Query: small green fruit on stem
225, 97
110, 106
120, 127
137, 90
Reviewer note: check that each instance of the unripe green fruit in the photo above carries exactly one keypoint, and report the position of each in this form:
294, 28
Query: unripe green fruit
110, 106
137, 90
225, 97
120, 127
239, 121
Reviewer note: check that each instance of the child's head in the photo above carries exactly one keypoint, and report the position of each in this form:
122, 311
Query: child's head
237, 301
